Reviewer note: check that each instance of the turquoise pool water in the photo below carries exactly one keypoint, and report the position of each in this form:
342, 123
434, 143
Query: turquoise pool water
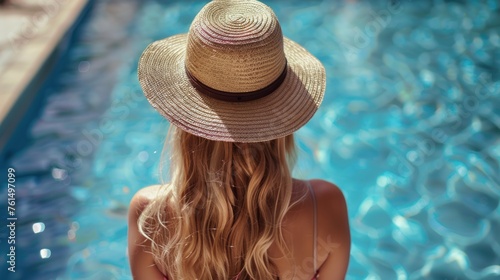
409, 129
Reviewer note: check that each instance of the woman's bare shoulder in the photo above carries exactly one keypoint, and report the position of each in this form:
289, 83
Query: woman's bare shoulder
143, 196
333, 229
332, 210
325, 188
141, 260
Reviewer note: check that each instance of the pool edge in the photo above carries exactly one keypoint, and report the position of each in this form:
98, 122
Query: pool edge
22, 96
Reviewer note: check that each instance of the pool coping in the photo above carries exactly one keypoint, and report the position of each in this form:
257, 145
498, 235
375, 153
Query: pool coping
29, 61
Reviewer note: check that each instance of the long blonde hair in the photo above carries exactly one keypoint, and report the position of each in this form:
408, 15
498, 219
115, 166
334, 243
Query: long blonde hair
222, 210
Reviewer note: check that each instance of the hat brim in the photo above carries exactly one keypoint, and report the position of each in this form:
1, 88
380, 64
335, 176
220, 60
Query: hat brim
167, 87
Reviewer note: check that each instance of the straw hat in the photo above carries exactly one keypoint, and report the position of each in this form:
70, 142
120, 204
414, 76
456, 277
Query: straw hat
233, 77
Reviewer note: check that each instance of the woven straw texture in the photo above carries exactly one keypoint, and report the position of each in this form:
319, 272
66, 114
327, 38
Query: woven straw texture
235, 47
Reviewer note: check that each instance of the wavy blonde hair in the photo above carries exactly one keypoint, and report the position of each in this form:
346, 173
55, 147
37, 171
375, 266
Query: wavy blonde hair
223, 208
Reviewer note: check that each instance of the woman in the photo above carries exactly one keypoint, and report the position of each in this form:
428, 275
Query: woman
235, 90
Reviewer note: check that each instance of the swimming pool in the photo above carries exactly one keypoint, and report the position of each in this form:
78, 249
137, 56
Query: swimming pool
409, 129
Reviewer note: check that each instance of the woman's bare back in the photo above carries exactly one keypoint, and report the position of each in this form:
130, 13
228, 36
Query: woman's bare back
333, 238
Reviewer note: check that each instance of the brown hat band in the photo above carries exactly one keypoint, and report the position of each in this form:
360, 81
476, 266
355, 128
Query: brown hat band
240, 96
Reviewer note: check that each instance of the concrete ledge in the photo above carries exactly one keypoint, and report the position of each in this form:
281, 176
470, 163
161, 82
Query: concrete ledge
31, 31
